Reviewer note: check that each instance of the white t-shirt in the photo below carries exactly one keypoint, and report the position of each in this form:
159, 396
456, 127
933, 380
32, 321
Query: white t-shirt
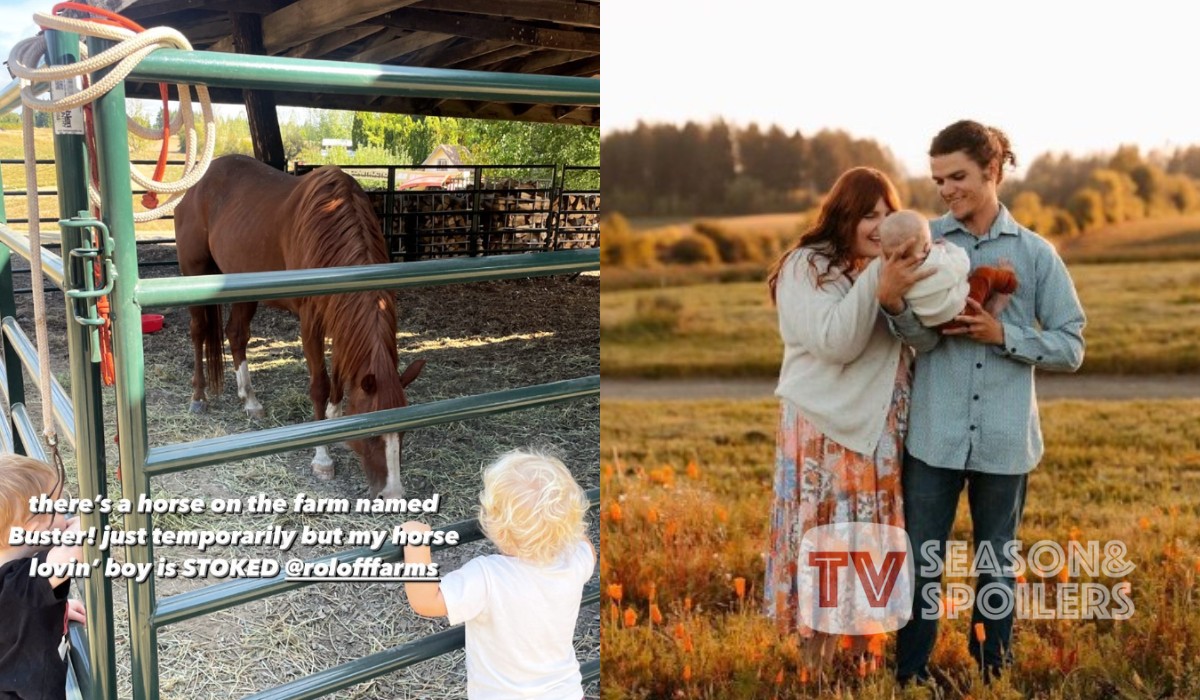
520, 621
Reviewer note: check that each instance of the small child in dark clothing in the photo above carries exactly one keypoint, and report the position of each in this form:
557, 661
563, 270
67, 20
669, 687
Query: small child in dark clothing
35, 608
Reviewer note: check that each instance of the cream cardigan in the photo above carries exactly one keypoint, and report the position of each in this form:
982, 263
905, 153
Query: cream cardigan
839, 359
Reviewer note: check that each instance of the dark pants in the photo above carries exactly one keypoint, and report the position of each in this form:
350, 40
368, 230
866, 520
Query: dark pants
930, 501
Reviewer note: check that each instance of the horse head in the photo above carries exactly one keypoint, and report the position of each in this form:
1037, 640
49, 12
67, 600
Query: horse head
380, 454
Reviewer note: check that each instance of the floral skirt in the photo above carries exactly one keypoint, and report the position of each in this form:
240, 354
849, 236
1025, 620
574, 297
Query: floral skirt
819, 482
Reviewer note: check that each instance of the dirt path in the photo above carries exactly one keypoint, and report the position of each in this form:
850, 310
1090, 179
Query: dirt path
1049, 386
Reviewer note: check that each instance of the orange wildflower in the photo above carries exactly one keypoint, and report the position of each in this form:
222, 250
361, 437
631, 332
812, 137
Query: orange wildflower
1073, 534
1144, 523
722, 514
739, 587
614, 512
615, 591
680, 633
1063, 574
779, 677
655, 614
862, 667
687, 644
875, 646
693, 471
845, 642
980, 633
1021, 579
687, 672
630, 617
687, 603
804, 676
652, 515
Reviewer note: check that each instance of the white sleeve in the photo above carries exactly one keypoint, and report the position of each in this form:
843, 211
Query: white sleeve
941, 296
465, 591
832, 324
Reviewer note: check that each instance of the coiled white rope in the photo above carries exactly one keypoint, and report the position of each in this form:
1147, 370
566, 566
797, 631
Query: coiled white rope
123, 58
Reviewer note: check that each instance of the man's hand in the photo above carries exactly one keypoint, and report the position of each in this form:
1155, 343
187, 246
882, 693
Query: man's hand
982, 327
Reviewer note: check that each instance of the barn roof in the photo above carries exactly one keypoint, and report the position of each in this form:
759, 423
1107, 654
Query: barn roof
549, 37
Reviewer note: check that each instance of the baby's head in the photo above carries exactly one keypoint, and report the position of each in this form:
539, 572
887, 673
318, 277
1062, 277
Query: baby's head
900, 227
531, 507
22, 478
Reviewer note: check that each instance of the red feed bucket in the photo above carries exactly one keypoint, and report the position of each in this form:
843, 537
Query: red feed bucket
152, 323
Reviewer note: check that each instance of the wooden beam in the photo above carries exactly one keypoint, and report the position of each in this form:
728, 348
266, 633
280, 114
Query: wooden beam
332, 42
260, 104
491, 59
584, 67
476, 27
204, 33
413, 41
540, 62
579, 14
145, 9
306, 20
446, 55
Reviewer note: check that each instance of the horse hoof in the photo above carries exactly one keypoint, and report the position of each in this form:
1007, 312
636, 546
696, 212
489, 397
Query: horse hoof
256, 413
323, 470
199, 406
396, 493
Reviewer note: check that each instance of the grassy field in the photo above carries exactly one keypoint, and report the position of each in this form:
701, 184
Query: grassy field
686, 502
1142, 319
16, 206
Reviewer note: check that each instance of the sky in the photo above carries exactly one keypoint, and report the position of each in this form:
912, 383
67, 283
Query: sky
1054, 75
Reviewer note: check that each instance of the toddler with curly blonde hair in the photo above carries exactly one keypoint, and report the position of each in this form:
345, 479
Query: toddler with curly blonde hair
520, 606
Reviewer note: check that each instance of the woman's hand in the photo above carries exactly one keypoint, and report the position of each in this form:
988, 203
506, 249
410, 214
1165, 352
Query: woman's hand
898, 275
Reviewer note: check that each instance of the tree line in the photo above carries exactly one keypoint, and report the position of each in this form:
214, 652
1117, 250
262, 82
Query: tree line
388, 138
716, 169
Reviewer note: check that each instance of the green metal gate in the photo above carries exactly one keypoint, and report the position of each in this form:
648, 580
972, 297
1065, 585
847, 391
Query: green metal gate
80, 414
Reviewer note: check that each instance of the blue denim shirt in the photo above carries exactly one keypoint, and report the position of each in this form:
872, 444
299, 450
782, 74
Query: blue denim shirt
973, 405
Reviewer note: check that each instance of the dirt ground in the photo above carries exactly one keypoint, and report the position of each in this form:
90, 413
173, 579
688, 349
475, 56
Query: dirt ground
475, 338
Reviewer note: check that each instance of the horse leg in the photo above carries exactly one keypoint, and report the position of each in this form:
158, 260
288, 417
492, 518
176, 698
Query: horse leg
238, 332
198, 332
312, 335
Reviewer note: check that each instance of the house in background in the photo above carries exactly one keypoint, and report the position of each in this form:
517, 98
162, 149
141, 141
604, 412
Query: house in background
327, 144
447, 156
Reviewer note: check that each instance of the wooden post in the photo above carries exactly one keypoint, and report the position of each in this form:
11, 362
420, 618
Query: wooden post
260, 104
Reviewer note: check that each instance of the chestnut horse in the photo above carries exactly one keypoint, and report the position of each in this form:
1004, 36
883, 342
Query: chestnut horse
245, 216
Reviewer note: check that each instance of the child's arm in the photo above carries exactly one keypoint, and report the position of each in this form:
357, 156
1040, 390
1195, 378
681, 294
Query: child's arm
62, 554
425, 598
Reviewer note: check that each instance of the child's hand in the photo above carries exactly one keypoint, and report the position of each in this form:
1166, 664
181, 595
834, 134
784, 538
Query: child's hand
75, 611
416, 526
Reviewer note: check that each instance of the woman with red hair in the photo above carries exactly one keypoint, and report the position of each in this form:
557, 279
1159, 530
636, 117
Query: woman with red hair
843, 390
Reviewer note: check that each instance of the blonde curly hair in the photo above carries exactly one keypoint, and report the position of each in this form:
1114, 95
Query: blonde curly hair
22, 478
531, 507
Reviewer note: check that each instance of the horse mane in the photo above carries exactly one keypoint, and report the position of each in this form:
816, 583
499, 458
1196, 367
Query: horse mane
336, 226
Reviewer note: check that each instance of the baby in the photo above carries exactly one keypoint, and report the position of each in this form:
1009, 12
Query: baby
32, 638
520, 606
937, 299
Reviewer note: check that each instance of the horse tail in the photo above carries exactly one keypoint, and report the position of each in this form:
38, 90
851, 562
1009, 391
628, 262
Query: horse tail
214, 350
